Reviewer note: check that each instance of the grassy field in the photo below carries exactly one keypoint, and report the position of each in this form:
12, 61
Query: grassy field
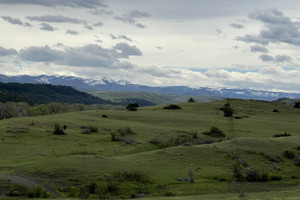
139, 168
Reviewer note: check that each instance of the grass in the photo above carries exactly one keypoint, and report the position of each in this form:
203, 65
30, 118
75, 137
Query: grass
73, 159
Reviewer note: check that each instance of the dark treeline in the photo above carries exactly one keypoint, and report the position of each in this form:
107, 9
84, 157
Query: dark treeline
35, 94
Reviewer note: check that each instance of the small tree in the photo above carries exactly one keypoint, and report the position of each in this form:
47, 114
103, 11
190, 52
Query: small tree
132, 106
191, 100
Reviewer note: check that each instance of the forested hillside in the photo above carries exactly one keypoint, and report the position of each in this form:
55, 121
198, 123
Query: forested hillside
45, 93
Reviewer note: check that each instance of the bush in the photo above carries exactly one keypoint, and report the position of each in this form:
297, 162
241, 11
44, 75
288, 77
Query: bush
93, 129
172, 107
17, 190
132, 106
297, 105
276, 110
282, 135
215, 132
58, 130
289, 154
297, 161
191, 100
228, 111
37, 192
275, 178
104, 116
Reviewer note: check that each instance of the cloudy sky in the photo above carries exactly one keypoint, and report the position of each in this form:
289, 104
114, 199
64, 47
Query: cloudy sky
215, 43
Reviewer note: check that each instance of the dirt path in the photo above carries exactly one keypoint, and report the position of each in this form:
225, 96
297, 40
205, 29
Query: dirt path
28, 183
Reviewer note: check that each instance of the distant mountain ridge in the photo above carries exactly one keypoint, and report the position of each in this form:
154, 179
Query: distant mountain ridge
88, 84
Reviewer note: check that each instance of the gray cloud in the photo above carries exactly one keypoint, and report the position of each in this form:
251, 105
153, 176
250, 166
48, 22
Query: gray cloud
127, 50
40, 54
65, 3
12, 20
47, 27
71, 32
130, 18
15, 21
139, 25
238, 26
276, 59
138, 14
277, 29
7, 52
87, 56
101, 12
258, 48
124, 37
89, 27
56, 19
98, 24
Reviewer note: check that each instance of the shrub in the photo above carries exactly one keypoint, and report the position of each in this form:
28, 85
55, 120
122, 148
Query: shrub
191, 100
276, 110
282, 135
132, 106
126, 131
93, 129
73, 192
273, 157
228, 111
17, 190
114, 137
298, 148
275, 177
297, 161
104, 116
297, 105
37, 192
58, 130
215, 132
289, 154
172, 107
207, 141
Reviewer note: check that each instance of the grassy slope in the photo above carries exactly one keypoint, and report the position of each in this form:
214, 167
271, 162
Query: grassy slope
155, 98
31, 150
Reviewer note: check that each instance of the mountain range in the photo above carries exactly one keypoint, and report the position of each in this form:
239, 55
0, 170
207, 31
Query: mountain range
106, 84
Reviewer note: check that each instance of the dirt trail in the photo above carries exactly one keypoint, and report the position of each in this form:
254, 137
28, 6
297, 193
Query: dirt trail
27, 182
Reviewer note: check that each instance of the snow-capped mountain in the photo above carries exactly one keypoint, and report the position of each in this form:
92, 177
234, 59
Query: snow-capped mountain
87, 84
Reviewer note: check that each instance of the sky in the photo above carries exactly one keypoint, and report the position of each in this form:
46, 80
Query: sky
197, 43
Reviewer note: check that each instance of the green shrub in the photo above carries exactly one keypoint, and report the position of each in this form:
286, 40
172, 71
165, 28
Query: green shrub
282, 135
93, 129
59, 130
289, 154
297, 160
114, 137
215, 132
73, 192
132, 106
191, 100
275, 177
172, 107
276, 110
228, 111
17, 190
37, 192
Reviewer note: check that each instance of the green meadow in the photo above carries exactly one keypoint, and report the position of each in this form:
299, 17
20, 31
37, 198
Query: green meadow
158, 153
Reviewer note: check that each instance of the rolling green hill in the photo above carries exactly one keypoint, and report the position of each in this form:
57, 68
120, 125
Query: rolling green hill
147, 98
155, 150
